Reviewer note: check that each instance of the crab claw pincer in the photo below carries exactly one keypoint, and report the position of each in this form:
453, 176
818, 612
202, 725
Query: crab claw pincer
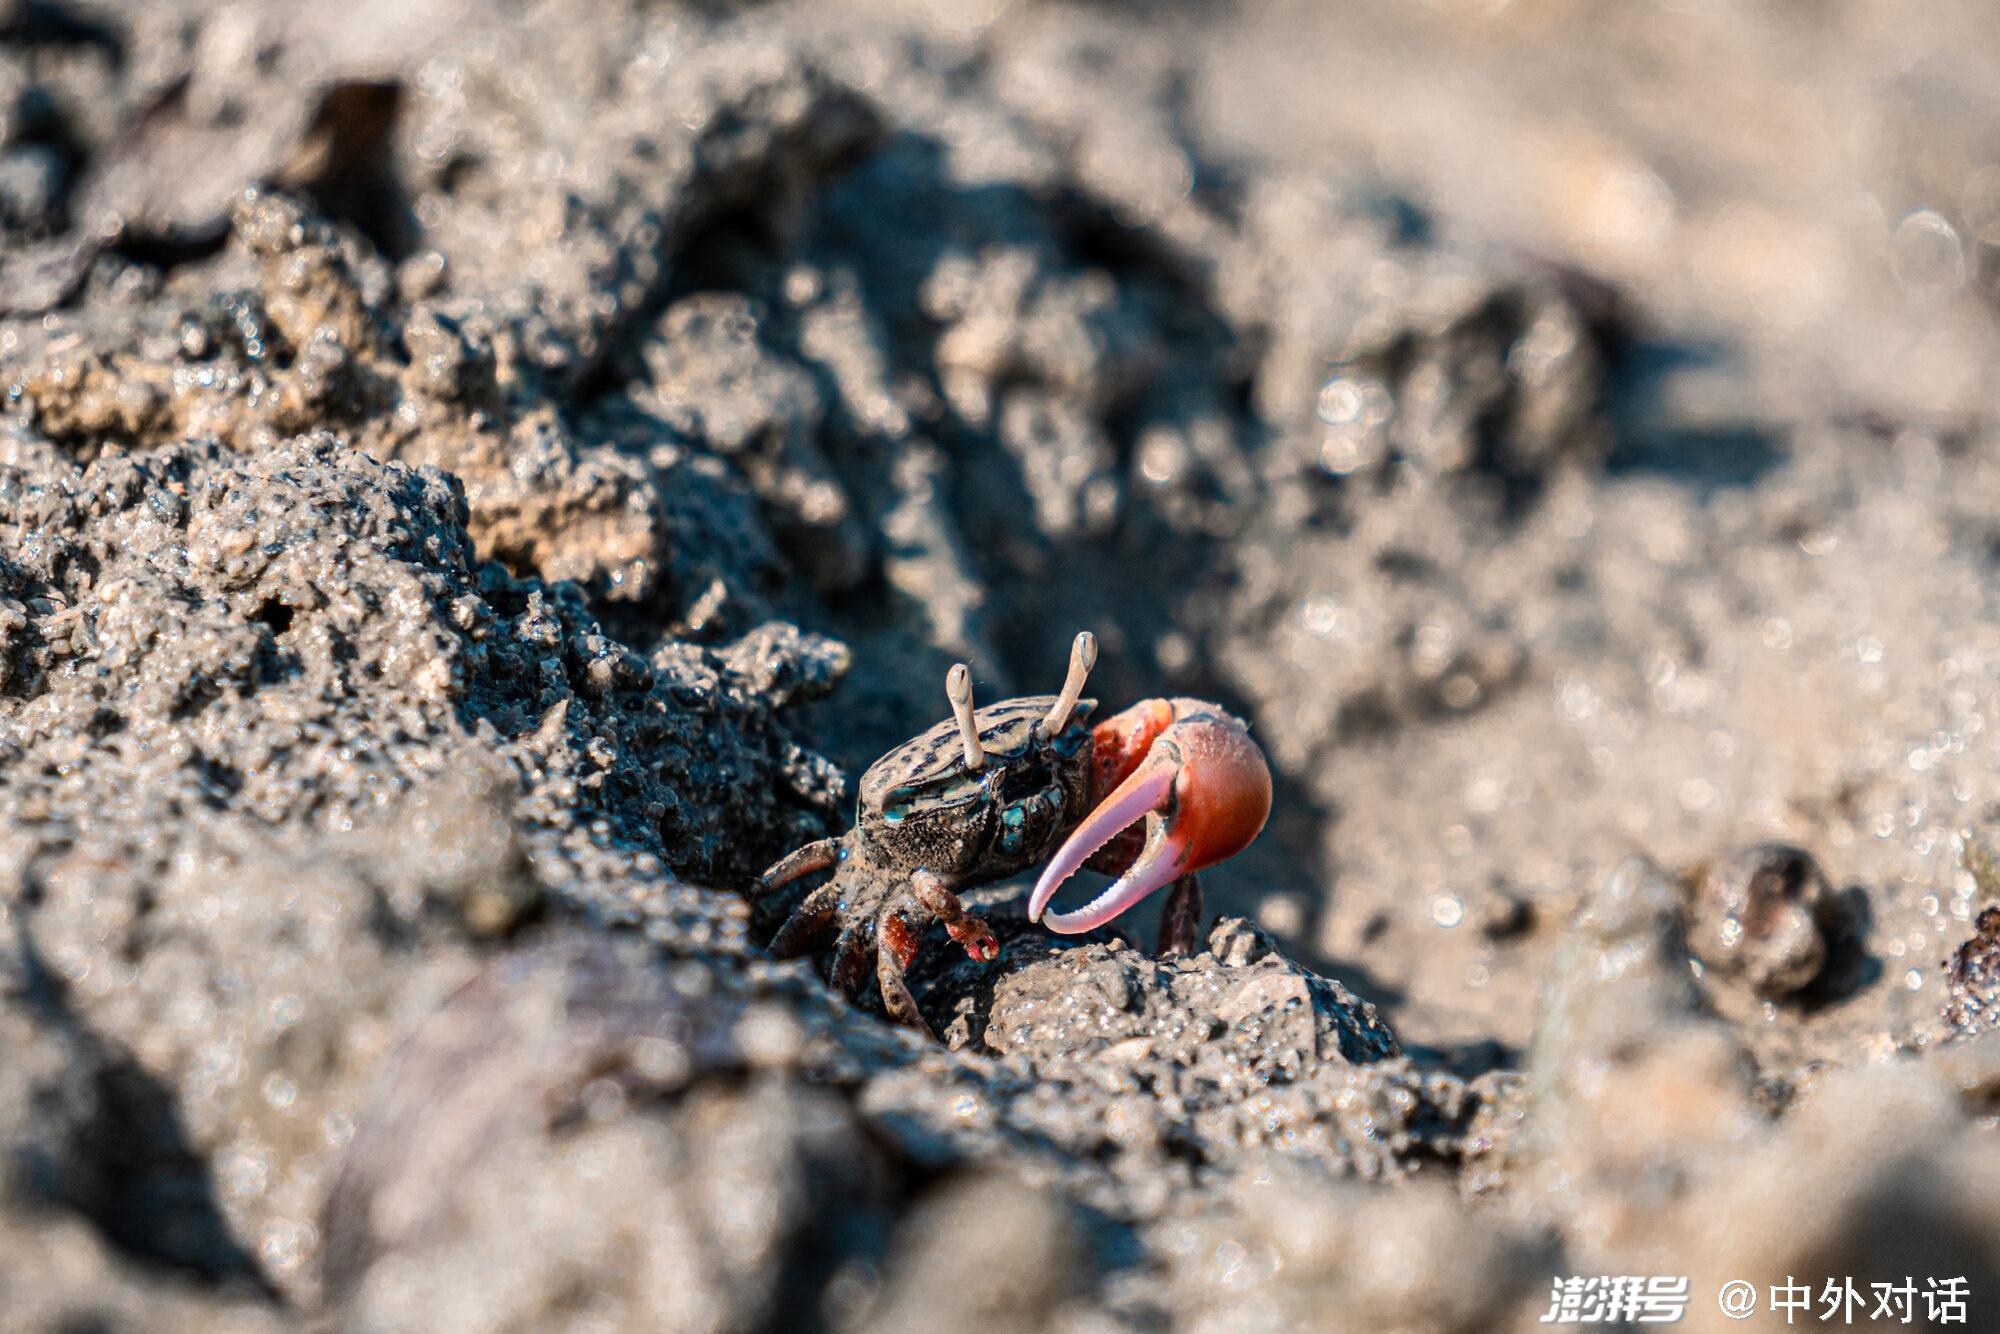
1188, 770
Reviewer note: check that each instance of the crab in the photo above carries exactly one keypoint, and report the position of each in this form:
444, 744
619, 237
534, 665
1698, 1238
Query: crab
1152, 796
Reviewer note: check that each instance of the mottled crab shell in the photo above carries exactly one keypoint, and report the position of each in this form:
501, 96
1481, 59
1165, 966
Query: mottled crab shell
1006, 732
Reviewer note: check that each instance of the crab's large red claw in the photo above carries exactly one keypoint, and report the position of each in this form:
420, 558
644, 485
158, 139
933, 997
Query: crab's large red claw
1203, 790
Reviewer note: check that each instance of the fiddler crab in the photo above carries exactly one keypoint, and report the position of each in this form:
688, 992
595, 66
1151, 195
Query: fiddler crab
1152, 795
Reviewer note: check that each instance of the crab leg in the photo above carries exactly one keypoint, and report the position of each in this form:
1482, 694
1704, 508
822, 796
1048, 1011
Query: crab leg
815, 856
1192, 774
1180, 917
809, 922
853, 952
897, 948
974, 935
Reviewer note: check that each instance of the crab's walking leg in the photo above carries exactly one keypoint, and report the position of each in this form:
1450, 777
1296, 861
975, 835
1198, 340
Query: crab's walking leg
967, 930
896, 946
815, 856
1180, 919
851, 955
808, 922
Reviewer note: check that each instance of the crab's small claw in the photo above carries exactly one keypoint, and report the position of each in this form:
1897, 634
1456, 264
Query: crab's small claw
1193, 774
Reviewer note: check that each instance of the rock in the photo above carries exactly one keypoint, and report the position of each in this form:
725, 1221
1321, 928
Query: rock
32, 181
57, 1275
1231, 1050
1762, 916
571, 1124
1017, 1279
1972, 978
712, 381
1633, 1088
1290, 1253
1874, 1176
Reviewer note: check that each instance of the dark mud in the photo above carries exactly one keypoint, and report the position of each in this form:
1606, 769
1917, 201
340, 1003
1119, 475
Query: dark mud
476, 486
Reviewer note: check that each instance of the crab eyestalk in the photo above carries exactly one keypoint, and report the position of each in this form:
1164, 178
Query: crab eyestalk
1192, 774
1082, 657
958, 689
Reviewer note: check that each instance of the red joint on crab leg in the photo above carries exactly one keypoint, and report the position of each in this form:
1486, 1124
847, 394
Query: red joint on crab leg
978, 941
1193, 774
